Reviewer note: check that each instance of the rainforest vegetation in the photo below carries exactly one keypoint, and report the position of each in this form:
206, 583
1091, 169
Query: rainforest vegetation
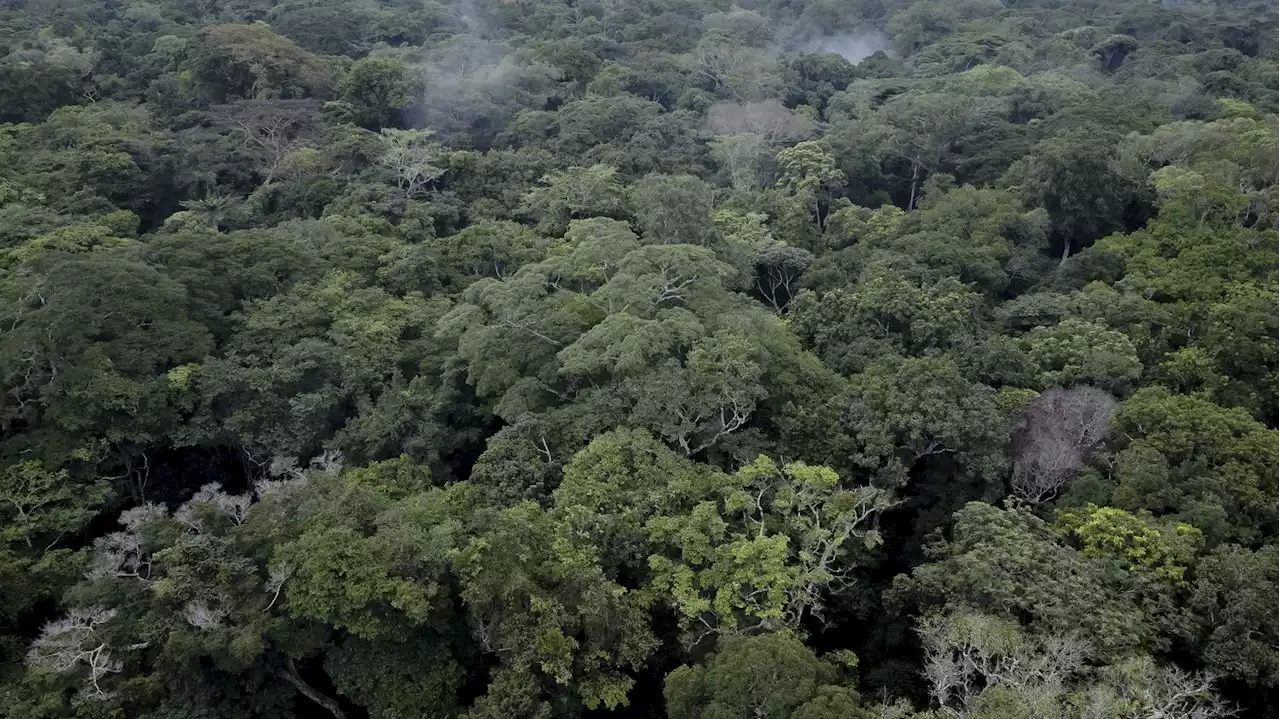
528, 359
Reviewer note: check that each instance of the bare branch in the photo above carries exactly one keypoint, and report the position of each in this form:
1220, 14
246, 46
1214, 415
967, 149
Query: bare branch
1053, 438
65, 645
769, 119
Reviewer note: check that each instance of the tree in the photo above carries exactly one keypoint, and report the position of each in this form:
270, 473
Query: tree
1166, 691
539, 601
1009, 563
886, 315
698, 403
966, 654
904, 415
1077, 351
612, 487
574, 194
412, 160
1219, 300
94, 159
808, 173
87, 335
340, 29
1054, 437
673, 210
212, 212
46, 72
150, 588
1074, 176
1232, 613
251, 62
982, 237
771, 675
42, 507
733, 70
1164, 548
41, 514
377, 88
787, 536
272, 130
601, 130
65, 645
746, 26
741, 157
813, 78
982, 666
491, 249
1187, 457
924, 129
1113, 50
778, 273
302, 354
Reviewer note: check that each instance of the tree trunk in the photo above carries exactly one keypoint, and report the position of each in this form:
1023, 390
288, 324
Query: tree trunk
290, 673
915, 175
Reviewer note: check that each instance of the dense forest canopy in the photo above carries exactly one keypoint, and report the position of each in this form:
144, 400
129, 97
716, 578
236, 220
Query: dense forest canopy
506, 359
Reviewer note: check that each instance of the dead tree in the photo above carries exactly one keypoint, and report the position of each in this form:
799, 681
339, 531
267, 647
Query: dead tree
271, 129
778, 271
1053, 438
769, 119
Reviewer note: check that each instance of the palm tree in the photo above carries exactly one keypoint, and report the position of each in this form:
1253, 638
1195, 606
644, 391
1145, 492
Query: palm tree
214, 209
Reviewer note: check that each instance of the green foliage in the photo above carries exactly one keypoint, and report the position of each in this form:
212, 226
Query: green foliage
1077, 352
1112, 532
982, 237
376, 88
574, 194
42, 507
785, 536
992, 668
1207, 465
1232, 613
496, 360
673, 210
770, 675
904, 412
886, 315
1075, 178
1009, 563
252, 62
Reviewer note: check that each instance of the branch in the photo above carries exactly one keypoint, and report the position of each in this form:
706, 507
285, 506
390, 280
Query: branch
535, 333
290, 673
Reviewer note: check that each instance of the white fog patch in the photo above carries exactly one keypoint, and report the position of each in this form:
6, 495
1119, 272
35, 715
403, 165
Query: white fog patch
853, 47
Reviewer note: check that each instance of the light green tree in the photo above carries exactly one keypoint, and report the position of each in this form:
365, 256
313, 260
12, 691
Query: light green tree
574, 194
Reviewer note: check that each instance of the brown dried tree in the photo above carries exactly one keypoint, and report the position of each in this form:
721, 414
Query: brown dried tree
271, 129
1053, 438
769, 119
